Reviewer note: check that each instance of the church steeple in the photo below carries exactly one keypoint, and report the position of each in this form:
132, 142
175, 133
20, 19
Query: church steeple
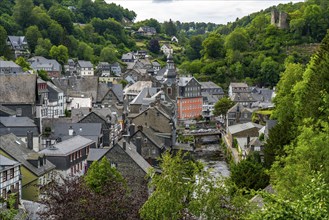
170, 71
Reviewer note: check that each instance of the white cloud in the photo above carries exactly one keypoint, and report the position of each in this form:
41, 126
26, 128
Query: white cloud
218, 11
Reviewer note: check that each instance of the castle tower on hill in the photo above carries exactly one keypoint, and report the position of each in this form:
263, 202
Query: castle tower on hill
279, 19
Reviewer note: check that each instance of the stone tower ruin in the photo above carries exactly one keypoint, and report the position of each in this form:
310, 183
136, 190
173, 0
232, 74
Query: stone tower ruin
279, 19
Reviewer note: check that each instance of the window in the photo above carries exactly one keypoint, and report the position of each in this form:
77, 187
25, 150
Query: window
71, 157
18, 111
11, 173
4, 176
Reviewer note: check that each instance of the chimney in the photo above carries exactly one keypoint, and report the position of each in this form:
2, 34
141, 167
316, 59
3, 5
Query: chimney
248, 141
124, 145
139, 145
131, 129
48, 143
30, 140
71, 131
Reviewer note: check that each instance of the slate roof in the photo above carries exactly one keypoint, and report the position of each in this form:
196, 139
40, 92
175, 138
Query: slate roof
6, 64
241, 108
183, 81
155, 64
127, 56
234, 85
53, 92
19, 89
85, 64
73, 86
132, 153
137, 87
262, 94
18, 42
146, 93
104, 88
68, 146
39, 62
82, 129
6, 110
242, 97
18, 150
4, 161
17, 122
242, 127
95, 154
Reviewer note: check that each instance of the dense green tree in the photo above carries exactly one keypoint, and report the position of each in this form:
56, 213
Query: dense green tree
22, 12
308, 154
32, 35
222, 106
213, 46
172, 188
55, 33
43, 75
3, 40
237, 40
108, 54
249, 174
43, 47
310, 91
154, 46
194, 48
169, 28
20, 61
60, 53
269, 72
100, 173
40, 18
313, 203
62, 16
85, 52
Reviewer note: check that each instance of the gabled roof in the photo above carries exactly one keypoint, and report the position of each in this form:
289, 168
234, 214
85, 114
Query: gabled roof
18, 89
240, 85
4, 161
242, 97
241, 108
18, 42
68, 146
82, 129
53, 92
39, 62
85, 64
8, 64
17, 122
103, 90
233, 129
146, 93
95, 154
132, 153
183, 81
18, 150
127, 56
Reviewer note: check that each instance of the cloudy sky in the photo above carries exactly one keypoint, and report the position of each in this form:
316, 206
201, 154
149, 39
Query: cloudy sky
216, 11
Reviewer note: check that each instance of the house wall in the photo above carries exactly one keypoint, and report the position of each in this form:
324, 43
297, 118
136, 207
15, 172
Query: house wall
11, 183
149, 151
128, 168
189, 107
155, 120
29, 191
